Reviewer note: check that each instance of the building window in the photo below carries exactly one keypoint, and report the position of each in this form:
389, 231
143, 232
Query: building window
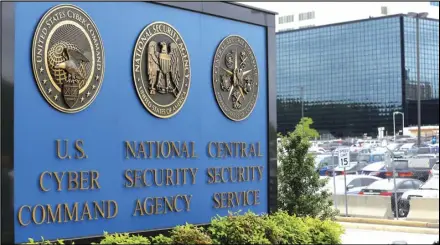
285, 19
307, 26
286, 29
384, 10
306, 16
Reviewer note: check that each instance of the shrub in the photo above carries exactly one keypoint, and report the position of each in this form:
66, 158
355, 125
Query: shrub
189, 234
123, 238
286, 229
277, 228
239, 229
301, 191
324, 232
161, 239
58, 242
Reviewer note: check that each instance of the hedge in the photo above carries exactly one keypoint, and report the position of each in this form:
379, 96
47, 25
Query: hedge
278, 228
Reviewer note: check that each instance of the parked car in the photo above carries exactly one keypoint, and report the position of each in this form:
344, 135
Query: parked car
414, 167
434, 170
370, 157
385, 187
355, 183
430, 189
352, 168
374, 169
326, 164
406, 147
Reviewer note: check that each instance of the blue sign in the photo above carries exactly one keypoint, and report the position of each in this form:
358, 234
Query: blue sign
115, 167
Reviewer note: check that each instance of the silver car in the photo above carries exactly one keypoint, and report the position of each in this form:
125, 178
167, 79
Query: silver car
434, 170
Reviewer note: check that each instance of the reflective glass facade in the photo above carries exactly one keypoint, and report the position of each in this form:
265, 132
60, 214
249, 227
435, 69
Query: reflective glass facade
348, 77
429, 69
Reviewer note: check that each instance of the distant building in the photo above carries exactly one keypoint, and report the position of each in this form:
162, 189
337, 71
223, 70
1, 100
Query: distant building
352, 76
309, 14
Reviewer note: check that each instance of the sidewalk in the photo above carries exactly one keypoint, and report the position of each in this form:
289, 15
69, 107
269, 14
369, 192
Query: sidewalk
389, 225
365, 235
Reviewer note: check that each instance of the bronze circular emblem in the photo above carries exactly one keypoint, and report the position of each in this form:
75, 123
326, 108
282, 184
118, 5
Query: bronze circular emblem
235, 78
68, 58
161, 69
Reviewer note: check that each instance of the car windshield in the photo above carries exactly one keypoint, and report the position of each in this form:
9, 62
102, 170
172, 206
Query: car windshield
327, 161
363, 157
431, 184
435, 166
386, 184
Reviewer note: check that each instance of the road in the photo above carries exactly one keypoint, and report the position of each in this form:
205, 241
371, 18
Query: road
360, 236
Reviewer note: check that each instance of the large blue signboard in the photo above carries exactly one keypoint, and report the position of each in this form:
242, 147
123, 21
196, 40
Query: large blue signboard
131, 117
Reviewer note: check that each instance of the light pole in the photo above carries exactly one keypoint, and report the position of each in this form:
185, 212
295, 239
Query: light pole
302, 101
394, 123
391, 161
417, 16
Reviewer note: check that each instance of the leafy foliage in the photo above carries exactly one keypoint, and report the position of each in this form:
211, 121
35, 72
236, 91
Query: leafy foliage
238, 229
189, 234
58, 242
303, 128
324, 232
287, 229
123, 238
161, 239
277, 228
301, 190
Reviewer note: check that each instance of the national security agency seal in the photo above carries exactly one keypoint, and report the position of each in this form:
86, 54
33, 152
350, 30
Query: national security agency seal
235, 78
161, 69
68, 58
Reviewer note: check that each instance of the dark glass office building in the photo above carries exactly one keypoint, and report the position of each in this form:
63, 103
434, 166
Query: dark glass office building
350, 77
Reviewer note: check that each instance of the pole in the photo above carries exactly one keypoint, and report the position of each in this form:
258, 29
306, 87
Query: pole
396, 208
419, 116
334, 180
403, 122
394, 126
345, 185
302, 101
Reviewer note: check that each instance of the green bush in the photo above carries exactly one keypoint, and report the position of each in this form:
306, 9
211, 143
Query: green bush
286, 229
239, 229
161, 239
277, 228
189, 234
123, 238
324, 231
47, 242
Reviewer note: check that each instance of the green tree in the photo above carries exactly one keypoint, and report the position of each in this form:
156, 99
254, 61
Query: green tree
303, 127
300, 189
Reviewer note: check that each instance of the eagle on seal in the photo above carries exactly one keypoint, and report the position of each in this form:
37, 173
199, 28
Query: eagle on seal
163, 68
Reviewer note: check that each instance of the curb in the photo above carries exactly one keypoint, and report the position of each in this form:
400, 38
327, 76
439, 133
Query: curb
404, 223
390, 228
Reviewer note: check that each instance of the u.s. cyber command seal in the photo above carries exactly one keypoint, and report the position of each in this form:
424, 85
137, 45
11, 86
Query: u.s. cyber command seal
235, 78
68, 58
161, 69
